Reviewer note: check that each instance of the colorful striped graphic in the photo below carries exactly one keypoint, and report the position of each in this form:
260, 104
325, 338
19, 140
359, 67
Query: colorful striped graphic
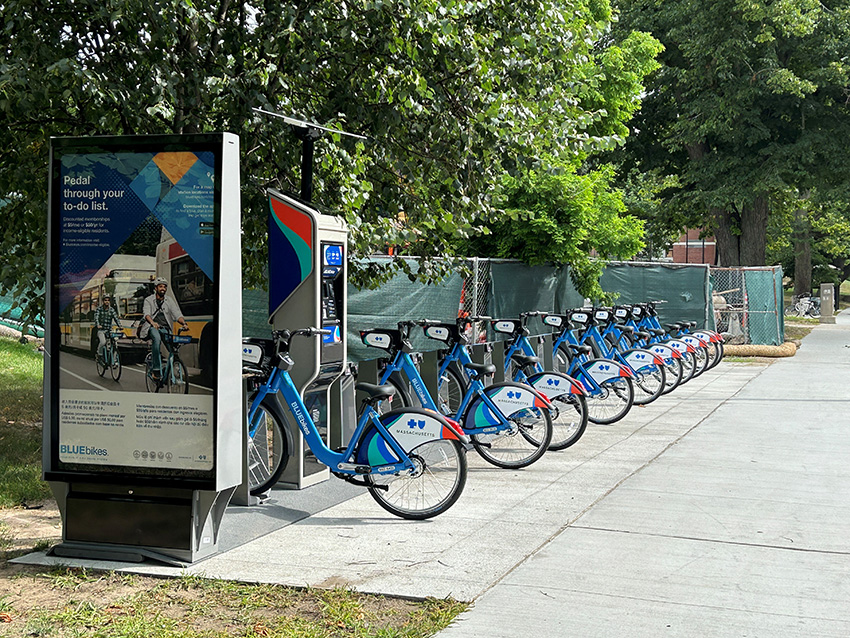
290, 250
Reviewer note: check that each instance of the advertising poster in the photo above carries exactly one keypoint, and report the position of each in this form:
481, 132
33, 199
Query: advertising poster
135, 292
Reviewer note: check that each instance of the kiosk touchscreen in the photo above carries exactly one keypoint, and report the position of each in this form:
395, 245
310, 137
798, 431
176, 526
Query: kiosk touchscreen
142, 388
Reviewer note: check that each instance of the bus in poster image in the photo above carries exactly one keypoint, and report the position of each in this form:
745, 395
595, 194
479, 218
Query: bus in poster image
127, 279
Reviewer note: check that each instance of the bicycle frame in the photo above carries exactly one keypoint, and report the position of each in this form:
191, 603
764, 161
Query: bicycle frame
583, 367
279, 382
402, 362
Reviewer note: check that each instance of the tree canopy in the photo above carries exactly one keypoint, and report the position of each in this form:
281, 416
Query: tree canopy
748, 110
452, 94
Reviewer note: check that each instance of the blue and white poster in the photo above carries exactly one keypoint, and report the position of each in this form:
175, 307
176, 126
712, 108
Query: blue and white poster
136, 304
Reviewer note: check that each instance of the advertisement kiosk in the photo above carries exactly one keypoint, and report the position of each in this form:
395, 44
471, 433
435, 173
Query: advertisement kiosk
308, 288
138, 444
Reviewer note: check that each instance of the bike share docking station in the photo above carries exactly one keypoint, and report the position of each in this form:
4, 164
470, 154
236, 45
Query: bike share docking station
140, 471
308, 277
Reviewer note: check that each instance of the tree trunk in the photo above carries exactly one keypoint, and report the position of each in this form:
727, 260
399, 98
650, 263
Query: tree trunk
728, 248
802, 253
753, 244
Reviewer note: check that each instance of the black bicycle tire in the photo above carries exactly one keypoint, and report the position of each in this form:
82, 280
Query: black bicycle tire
649, 396
485, 447
378, 494
282, 455
625, 408
452, 376
115, 357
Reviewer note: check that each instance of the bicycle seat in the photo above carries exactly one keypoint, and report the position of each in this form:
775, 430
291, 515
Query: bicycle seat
580, 349
673, 327
658, 332
481, 369
640, 334
375, 392
524, 360
627, 329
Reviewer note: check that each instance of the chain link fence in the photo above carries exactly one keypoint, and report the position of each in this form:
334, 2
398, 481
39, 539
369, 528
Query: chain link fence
747, 304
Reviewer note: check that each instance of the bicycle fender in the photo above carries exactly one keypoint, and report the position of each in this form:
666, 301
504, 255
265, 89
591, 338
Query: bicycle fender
665, 352
555, 384
693, 341
410, 427
508, 398
679, 345
711, 337
640, 358
271, 403
601, 370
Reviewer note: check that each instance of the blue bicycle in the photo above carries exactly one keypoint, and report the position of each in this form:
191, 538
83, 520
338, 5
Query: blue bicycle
509, 424
569, 413
412, 461
647, 369
609, 386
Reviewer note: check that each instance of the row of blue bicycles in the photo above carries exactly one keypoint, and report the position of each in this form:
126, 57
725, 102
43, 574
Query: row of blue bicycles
409, 446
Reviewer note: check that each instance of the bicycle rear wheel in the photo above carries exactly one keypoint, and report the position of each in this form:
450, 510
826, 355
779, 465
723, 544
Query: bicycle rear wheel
431, 488
519, 446
115, 359
612, 401
649, 384
267, 449
569, 420
672, 375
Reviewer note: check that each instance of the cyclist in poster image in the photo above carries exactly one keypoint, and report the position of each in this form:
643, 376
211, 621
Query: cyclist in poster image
103, 318
160, 314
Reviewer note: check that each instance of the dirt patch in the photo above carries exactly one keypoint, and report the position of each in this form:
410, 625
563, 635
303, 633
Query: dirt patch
37, 525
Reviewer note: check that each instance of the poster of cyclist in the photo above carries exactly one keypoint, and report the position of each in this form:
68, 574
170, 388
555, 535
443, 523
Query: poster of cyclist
135, 295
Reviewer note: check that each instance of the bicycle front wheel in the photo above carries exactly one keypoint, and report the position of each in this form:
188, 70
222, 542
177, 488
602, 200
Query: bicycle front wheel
520, 445
267, 449
612, 401
569, 420
150, 384
115, 367
431, 488
178, 382
450, 392
99, 362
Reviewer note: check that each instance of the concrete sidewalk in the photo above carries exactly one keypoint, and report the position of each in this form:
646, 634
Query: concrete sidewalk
740, 529
721, 509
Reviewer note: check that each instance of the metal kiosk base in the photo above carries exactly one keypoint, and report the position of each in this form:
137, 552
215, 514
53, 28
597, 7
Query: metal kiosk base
130, 523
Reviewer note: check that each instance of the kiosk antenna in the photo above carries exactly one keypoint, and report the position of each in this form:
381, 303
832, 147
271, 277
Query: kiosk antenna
308, 133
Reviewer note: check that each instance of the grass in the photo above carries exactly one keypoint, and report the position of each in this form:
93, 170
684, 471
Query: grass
111, 604
20, 382
60, 603
20, 424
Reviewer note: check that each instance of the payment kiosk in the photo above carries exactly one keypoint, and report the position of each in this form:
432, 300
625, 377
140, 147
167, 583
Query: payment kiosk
140, 457
307, 288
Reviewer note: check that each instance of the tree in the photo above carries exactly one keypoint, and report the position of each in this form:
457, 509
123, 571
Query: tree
563, 217
750, 104
450, 93
810, 236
